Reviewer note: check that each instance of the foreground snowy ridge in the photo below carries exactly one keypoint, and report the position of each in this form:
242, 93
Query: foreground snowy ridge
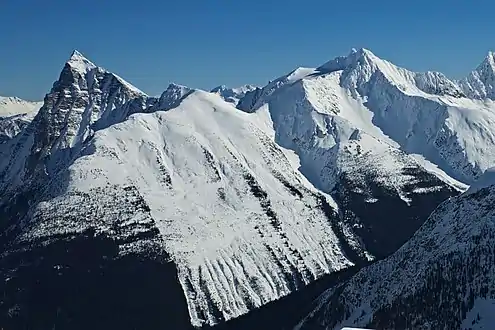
245, 206
443, 278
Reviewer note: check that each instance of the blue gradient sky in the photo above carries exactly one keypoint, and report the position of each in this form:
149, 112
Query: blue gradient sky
204, 43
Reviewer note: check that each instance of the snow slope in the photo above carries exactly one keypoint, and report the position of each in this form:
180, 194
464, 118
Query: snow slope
11, 106
15, 114
441, 279
225, 199
343, 154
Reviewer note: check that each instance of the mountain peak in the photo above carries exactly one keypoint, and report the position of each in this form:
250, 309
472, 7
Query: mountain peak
172, 96
487, 66
174, 86
361, 51
76, 53
219, 88
489, 60
480, 83
355, 56
233, 95
360, 55
175, 89
79, 62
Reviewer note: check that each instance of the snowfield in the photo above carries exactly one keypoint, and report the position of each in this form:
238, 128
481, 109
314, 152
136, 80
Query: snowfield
12, 106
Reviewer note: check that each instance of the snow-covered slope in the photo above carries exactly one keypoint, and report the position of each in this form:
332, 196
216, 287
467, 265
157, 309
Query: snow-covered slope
233, 95
15, 114
342, 153
424, 113
480, 84
443, 278
11, 106
225, 199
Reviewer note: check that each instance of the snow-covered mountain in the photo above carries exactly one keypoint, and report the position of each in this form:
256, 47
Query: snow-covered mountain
480, 84
202, 183
423, 113
233, 95
15, 114
86, 98
186, 199
11, 106
443, 278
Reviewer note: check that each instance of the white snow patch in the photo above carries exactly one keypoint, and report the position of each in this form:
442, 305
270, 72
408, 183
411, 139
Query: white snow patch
11, 106
80, 63
434, 169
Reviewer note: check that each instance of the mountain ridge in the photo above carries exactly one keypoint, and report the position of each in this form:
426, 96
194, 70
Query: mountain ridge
399, 105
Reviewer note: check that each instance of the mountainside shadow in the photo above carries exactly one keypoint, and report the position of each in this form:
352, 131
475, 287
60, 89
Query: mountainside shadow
80, 282
287, 311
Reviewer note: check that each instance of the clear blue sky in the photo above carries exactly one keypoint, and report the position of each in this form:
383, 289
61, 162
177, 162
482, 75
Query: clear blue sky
204, 43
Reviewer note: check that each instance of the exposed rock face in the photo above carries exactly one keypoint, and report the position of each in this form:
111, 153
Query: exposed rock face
84, 99
172, 97
11, 126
